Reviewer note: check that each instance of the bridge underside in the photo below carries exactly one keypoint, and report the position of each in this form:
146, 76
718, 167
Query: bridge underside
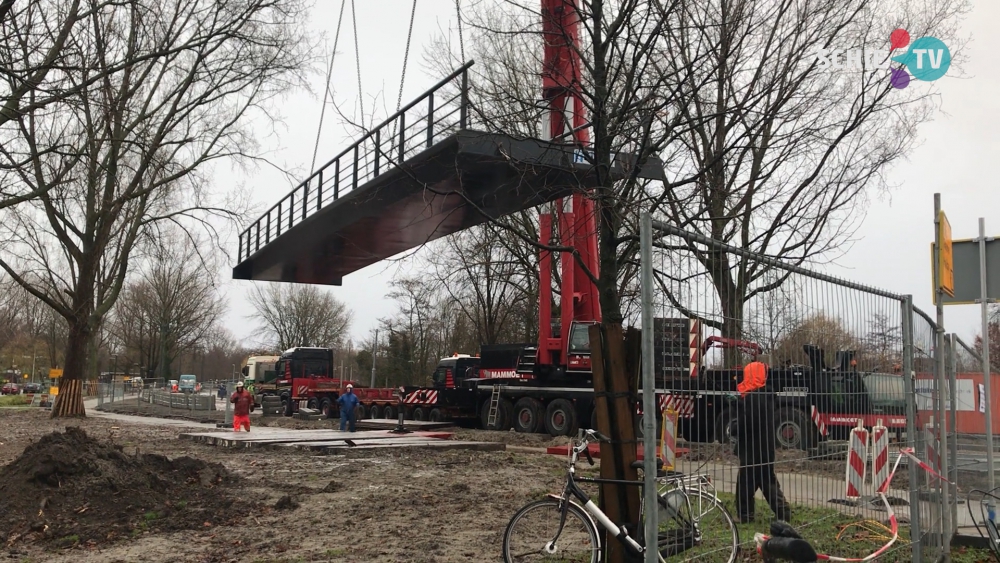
449, 187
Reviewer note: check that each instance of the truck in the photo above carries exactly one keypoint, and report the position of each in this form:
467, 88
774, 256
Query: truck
301, 375
187, 383
500, 389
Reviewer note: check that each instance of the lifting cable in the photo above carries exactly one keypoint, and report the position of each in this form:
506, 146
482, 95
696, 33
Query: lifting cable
461, 40
357, 62
326, 90
406, 56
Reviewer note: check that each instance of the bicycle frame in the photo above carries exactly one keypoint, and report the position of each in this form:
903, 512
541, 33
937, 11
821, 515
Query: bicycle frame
596, 515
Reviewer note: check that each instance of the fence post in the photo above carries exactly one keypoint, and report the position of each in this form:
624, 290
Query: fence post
911, 427
953, 427
648, 387
942, 436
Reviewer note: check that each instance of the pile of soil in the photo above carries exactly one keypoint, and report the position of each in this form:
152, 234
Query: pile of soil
68, 488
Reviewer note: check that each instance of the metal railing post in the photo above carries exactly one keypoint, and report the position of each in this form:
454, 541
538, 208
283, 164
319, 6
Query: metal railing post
378, 147
354, 183
258, 233
336, 179
916, 534
402, 136
430, 119
291, 210
305, 198
464, 110
319, 190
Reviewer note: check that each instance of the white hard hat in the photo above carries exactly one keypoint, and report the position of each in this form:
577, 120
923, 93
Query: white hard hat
239, 384
349, 386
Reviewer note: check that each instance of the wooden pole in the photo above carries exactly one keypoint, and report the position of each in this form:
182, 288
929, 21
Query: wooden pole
615, 408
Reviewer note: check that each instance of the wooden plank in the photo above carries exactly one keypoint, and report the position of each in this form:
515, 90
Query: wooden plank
432, 444
380, 423
253, 439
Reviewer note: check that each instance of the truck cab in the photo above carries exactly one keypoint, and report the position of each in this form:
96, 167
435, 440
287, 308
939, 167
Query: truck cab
187, 383
451, 372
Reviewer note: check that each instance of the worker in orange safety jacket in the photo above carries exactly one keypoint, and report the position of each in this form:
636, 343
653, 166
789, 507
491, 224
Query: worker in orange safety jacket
755, 432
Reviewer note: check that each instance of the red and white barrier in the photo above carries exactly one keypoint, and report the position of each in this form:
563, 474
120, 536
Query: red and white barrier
857, 461
818, 421
683, 404
668, 441
880, 457
931, 444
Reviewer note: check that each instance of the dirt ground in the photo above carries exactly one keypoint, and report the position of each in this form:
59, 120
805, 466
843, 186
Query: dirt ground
153, 497
415, 505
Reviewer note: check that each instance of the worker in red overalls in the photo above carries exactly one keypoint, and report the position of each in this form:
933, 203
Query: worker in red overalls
755, 445
242, 405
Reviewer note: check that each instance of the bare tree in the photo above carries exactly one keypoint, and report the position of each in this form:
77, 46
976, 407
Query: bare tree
132, 146
169, 308
786, 153
300, 315
490, 281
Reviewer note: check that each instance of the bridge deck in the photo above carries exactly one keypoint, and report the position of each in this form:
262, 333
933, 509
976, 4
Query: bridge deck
421, 175
450, 187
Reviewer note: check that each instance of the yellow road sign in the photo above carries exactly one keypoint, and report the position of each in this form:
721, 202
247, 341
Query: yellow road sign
946, 265
55, 373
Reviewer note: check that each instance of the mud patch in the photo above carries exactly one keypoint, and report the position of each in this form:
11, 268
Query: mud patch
70, 489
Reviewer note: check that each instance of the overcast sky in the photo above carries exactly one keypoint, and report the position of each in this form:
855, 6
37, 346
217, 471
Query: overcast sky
957, 155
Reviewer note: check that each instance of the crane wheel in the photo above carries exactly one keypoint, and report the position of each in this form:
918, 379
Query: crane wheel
375, 411
436, 415
313, 403
327, 408
389, 413
503, 419
528, 414
420, 414
362, 413
561, 419
794, 430
289, 405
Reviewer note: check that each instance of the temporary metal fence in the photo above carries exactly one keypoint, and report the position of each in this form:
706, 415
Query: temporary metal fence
853, 382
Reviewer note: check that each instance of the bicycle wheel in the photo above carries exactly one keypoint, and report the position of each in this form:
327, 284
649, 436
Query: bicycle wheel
537, 533
694, 526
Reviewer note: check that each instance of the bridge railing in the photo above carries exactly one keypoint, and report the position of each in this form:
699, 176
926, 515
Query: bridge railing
437, 113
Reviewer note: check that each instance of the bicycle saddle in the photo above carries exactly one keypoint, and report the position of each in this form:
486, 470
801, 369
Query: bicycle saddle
640, 464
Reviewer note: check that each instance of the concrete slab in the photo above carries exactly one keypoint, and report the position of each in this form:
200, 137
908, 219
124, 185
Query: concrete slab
386, 424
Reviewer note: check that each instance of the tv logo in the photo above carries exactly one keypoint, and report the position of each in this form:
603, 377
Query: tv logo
928, 59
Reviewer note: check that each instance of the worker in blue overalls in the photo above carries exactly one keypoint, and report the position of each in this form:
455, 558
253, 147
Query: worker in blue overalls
348, 401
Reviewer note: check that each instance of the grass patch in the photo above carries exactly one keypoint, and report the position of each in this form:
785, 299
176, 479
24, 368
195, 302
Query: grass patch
14, 400
69, 541
150, 516
821, 526
331, 553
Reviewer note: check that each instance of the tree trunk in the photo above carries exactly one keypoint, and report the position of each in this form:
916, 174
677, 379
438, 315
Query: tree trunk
69, 401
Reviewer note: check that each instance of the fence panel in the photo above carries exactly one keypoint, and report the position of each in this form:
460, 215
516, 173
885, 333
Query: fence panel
815, 442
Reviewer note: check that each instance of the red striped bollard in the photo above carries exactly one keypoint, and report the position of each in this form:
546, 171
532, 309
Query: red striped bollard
880, 456
818, 421
857, 461
668, 441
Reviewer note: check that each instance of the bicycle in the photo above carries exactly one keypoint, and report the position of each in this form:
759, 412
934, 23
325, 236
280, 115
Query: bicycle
567, 530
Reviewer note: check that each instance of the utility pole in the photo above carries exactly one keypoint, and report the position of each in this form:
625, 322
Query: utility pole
374, 352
